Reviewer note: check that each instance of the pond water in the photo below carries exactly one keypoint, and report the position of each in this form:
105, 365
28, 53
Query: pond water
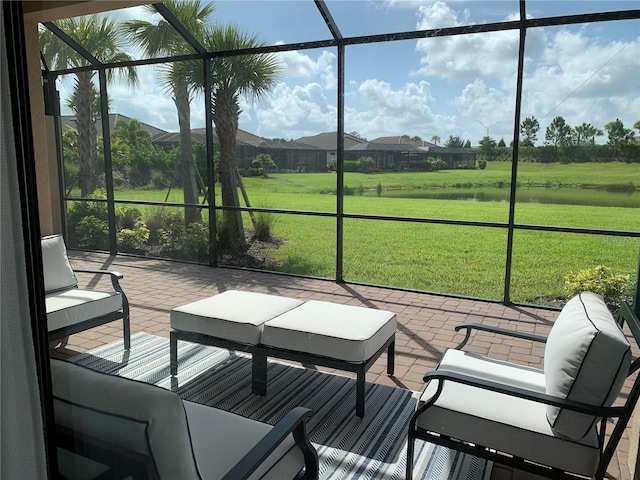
563, 196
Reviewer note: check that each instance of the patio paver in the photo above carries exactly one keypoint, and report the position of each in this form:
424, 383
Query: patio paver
425, 322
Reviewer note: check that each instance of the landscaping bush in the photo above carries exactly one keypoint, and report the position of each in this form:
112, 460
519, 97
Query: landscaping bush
438, 164
91, 232
196, 243
250, 172
263, 226
171, 234
133, 240
127, 217
82, 216
613, 287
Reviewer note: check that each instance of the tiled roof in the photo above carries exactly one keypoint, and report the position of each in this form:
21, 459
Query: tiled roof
329, 141
402, 140
69, 121
385, 147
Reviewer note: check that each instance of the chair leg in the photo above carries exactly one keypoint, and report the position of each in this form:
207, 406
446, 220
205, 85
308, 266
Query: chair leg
391, 353
410, 448
173, 353
126, 329
258, 372
360, 391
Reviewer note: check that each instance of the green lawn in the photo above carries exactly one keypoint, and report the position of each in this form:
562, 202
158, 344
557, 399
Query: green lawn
453, 259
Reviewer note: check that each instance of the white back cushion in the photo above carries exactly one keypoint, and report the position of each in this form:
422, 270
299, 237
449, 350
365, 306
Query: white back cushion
58, 274
134, 416
586, 359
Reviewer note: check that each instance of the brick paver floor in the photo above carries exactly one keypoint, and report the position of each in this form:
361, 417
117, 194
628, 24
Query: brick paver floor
425, 322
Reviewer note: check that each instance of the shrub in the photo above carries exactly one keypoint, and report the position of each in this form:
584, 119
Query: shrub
127, 217
88, 208
250, 172
224, 231
133, 240
263, 162
614, 288
263, 225
365, 164
91, 232
350, 166
438, 164
171, 234
196, 243
482, 164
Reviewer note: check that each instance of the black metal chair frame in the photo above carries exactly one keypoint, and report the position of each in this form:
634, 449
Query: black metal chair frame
126, 464
623, 413
259, 354
97, 321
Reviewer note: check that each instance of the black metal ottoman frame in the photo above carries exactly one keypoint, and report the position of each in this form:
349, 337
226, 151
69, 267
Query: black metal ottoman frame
260, 353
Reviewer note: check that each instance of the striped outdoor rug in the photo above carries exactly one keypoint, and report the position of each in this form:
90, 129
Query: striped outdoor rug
348, 447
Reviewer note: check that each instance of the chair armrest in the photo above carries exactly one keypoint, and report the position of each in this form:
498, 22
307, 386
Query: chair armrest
497, 330
292, 423
442, 375
115, 276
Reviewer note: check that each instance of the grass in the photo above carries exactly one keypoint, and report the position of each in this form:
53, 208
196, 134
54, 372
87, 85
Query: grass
445, 258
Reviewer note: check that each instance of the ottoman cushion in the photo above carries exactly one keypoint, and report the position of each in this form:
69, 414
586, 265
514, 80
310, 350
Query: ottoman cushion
232, 315
344, 332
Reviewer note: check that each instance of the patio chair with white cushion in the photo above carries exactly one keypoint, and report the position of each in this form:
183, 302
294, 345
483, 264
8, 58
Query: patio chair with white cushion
125, 429
550, 422
71, 309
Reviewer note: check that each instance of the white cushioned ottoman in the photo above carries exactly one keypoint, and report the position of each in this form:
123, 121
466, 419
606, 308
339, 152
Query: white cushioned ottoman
345, 332
233, 315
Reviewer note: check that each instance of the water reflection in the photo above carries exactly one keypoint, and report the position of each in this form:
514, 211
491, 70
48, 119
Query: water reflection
543, 195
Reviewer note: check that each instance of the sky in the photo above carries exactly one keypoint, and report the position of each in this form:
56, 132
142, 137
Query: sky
432, 88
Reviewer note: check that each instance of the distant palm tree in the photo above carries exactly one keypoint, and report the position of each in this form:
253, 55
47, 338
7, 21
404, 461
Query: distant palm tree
232, 77
586, 133
101, 37
161, 38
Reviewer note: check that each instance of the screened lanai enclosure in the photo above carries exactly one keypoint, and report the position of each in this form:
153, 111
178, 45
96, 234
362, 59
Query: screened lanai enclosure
477, 149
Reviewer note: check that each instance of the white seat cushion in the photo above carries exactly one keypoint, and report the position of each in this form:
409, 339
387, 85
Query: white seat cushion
345, 332
586, 359
131, 415
232, 315
77, 305
58, 274
220, 439
500, 421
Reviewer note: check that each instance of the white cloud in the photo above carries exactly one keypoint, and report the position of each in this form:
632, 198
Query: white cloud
583, 79
292, 112
486, 108
148, 102
301, 65
463, 57
388, 111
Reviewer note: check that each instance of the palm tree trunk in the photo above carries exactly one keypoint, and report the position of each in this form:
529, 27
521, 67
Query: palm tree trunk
85, 123
226, 112
187, 167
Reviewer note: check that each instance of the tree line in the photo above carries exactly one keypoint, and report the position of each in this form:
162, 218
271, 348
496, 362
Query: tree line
563, 143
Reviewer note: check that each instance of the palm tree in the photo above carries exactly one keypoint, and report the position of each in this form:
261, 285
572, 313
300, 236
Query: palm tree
162, 39
586, 133
101, 37
233, 76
